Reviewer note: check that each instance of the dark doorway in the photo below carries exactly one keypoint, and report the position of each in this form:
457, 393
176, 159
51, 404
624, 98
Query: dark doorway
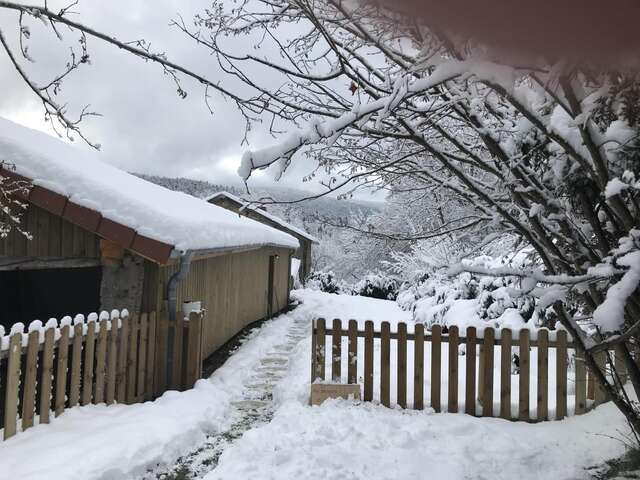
27, 295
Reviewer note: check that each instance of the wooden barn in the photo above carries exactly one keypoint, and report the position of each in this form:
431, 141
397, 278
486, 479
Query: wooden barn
105, 239
303, 253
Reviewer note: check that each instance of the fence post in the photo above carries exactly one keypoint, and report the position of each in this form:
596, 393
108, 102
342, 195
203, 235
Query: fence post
581, 383
313, 350
101, 361
143, 327
121, 375
162, 337
13, 379
194, 349
112, 360
178, 339
132, 357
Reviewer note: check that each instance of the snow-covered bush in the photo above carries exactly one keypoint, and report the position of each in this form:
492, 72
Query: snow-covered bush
377, 285
323, 281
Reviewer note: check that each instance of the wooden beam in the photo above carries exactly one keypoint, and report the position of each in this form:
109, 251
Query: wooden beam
36, 263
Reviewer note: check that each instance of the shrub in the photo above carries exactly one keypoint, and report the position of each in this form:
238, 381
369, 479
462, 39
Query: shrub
323, 281
376, 285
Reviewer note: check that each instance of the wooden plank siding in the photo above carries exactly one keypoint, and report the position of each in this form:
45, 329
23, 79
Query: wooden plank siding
232, 287
52, 237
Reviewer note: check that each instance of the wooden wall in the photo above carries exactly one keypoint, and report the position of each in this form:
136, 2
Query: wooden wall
52, 237
233, 288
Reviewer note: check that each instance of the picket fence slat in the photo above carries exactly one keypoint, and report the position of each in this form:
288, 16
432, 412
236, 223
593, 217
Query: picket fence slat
481, 391
487, 364
151, 351
352, 356
505, 373
385, 364
12, 385
336, 351
121, 369
542, 409
178, 338
61, 370
401, 394
418, 367
89, 358
76, 365
30, 380
452, 405
112, 362
368, 360
46, 375
101, 361
470, 372
142, 357
561, 375
523, 384
320, 351
132, 356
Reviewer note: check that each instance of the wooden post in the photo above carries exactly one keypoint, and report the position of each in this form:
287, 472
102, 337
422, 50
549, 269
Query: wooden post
320, 350
487, 396
561, 374
621, 367
89, 352
12, 386
76, 365
470, 372
121, 369
505, 373
132, 358
352, 357
112, 361
194, 352
542, 409
101, 360
436, 359
368, 361
418, 367
401, 384
336, 351
581, 384
62, 361
30, 380
385, 363
523, 385
452, 405
314, 347
151, 352
47, 375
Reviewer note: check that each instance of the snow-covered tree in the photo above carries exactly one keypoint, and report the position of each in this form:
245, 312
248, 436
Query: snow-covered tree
544, 152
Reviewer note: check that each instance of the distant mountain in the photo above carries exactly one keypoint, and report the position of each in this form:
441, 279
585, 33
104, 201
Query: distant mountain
323, 206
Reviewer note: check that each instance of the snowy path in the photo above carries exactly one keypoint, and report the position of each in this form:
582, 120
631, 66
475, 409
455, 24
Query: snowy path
252, 408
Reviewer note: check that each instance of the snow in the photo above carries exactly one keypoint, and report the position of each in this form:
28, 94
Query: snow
265, 214
338, 439
614, 187
174, 218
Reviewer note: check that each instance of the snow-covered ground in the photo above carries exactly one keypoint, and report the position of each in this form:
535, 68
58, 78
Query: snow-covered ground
336, 440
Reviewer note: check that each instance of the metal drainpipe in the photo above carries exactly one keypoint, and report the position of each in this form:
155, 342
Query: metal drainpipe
172, 300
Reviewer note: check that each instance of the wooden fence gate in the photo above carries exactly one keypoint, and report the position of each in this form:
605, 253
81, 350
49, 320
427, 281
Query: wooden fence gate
112, 359
548, 372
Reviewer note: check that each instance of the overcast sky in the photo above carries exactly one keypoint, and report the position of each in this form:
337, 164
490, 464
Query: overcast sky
145, 126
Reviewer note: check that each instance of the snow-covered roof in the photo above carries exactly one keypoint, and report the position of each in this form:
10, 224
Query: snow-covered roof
263, 213
154, 212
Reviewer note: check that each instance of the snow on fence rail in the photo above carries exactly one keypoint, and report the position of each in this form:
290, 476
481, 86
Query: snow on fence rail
111, 358
549, 381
